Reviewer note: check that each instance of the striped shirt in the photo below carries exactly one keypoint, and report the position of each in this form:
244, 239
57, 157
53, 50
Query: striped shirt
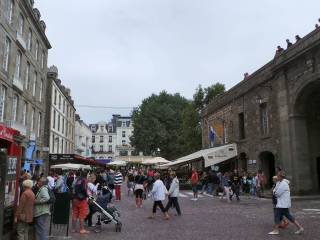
118, 178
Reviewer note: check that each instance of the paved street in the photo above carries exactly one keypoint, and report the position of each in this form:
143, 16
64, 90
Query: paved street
210, 218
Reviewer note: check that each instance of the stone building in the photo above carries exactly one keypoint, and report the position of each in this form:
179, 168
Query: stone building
60, 117
273, 116
23, 70
83, 137
112, 139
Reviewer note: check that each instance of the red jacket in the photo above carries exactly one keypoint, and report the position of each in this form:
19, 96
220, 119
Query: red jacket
194, 178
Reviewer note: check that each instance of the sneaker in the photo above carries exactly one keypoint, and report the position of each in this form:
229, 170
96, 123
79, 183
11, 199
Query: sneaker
274, 232
300, 231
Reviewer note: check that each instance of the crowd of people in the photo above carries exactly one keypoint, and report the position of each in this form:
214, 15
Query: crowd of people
38, 194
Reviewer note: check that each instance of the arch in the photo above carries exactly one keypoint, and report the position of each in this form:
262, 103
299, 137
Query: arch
267, 165
305, 124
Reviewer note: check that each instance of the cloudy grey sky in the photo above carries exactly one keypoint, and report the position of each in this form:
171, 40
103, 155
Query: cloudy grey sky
118, 52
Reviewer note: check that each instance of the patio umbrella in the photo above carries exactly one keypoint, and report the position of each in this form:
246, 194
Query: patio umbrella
155, 161
71, 166
117, 163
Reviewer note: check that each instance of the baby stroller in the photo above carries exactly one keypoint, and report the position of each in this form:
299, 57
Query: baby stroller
108, 214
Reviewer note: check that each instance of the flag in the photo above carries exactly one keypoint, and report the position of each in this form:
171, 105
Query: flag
212, 136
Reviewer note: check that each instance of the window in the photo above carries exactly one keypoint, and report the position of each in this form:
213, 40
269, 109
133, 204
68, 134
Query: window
101, 139
40, 90
264, 121
37, 50
123, 142
29, 42
62, 145
6, 56
3, 92
24, 113
110, 139
39, 123
110, 129
101, 128
58, 122
27, 79
34, 83
18, 65
62, 125
21, 25
93, 139
101, 148
110, 148
59, 102
124, 124
64, 106
15, 107
32, 118
123, 133
53, 142
55, 97
9, 11
54, 119
242, 134
42, 59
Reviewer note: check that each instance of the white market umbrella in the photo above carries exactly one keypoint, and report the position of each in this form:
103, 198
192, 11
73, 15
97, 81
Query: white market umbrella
155, 161
119, 163
71, 166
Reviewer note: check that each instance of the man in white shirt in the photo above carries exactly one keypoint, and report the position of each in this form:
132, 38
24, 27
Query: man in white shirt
51, 182
158, 193
282, 194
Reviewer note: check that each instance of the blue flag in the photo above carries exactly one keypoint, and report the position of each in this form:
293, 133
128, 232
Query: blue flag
212, 136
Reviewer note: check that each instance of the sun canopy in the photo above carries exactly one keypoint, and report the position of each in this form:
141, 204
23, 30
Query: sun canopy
117, 163
211, 156
155, 161
71, 166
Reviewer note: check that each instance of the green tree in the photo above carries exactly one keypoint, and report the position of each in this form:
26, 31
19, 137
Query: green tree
157, 124
204, 96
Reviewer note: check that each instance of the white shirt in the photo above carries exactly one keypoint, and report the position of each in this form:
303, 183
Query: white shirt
92, 189
50, 182
159, 191
282, 192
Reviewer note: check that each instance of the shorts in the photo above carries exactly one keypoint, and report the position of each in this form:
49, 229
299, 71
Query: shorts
279, 213
130, 185
195, 188
80, 209
138, 193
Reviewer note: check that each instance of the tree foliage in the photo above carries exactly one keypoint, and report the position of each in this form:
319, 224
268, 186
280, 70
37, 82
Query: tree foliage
203, 97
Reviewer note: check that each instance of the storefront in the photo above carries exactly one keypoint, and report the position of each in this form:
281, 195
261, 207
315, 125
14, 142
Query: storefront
10, 162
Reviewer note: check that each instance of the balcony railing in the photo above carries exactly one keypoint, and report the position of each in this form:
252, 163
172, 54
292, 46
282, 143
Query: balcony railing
21, 41
17, 126
17, 82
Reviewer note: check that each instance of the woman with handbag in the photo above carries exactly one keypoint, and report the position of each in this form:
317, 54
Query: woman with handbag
138, 188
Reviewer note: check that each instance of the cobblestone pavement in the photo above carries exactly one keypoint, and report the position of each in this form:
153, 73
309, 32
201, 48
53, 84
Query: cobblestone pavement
209, 218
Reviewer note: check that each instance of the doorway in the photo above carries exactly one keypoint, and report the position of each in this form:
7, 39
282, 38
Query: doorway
267, 163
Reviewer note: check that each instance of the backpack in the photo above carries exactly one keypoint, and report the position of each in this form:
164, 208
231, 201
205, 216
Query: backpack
80, 190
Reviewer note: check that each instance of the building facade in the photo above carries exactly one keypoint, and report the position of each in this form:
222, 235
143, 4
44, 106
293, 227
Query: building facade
113, 138
273, 116
60, 118
23, 56
83, 137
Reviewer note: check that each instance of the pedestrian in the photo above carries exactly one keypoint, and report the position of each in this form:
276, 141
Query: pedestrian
130, 181
42, 209
225, 182
79, 202
158, 194
194, 184
118, 179
261, 181
235, 185
24, 214
283, 204
139, 181
51, 182
204, 182
173, 194
289, 44
60, 184
92, 191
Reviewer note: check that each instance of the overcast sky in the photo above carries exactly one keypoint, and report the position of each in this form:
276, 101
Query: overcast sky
117, 52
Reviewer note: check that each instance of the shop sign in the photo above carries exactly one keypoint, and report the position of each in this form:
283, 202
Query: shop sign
12, 165
7, 133
64, 157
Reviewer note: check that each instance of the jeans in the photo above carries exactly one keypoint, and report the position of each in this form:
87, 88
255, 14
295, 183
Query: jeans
23, 231
173, 201
40, 226
89, 217
210, 188
158, 203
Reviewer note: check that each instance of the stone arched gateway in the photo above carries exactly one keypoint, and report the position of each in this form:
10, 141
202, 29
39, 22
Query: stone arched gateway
305, 129
267, 165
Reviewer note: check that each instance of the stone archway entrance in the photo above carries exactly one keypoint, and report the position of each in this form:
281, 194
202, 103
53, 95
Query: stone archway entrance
306, 139
267, 163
